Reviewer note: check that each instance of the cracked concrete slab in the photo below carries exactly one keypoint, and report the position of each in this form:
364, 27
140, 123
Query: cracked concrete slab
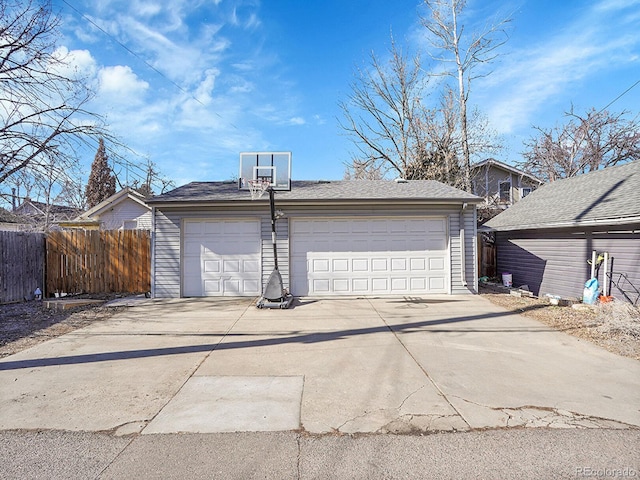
484, 359
112, 375
358, 378
396, 365
412, 424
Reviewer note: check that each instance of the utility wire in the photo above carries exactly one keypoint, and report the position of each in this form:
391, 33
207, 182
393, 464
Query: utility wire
121, 160
619, 96
139, 58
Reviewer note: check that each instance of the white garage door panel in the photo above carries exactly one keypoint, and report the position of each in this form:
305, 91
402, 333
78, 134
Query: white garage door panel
221, 258
369, 256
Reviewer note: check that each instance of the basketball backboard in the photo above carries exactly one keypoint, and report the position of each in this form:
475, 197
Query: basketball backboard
274, 167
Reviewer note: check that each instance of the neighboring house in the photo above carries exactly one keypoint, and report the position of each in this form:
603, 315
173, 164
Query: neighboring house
38, 213
124, 210
336, 238
11, 222
545, 240
501, 185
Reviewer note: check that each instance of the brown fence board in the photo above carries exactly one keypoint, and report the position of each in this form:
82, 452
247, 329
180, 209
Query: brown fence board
487, 256
21, 265
98, 261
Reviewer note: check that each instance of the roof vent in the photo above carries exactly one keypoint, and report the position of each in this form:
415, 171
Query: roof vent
401, 180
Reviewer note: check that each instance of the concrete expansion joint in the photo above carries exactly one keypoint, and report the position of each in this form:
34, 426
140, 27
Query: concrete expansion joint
421, 367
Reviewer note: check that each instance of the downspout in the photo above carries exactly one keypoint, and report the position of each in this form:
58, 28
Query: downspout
463, 246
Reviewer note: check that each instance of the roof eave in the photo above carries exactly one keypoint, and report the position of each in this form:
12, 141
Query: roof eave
591, 223
303, 202
114, 200
505, 166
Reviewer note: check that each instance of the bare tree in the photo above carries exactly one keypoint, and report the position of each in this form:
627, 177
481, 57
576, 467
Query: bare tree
41, 103
145, 177
380, 116
438, 157
392, 126
595, 140
467, 52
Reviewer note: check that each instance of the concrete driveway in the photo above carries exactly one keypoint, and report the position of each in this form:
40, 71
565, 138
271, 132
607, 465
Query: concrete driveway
326, 365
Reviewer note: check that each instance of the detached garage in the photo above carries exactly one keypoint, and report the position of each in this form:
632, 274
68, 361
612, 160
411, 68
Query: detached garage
546, 239
333, 238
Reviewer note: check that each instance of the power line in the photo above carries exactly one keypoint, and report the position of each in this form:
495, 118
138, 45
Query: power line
118, 159
619, 96
140, 58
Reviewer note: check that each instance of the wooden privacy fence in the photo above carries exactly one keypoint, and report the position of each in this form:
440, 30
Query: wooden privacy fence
487, 255
98, 261
21, 265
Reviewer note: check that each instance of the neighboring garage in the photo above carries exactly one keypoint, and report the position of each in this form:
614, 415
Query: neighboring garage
360, 238
546, 239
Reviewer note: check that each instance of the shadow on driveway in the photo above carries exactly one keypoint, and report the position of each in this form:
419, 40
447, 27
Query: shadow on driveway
303, 338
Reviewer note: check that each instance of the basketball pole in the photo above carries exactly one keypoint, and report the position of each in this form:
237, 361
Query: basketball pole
274, 294
272, 205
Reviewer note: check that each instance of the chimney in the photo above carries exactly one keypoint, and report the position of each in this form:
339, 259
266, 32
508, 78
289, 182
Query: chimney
13, 199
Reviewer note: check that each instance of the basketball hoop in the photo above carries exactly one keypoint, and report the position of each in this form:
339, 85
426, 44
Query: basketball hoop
258, 187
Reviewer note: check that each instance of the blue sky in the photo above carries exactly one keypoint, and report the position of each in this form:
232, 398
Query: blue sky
268, 75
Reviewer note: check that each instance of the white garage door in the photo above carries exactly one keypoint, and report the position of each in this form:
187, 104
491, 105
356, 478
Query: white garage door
364, 256
221, 258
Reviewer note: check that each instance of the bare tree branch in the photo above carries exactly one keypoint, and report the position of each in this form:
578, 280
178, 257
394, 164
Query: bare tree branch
467, 53
592, 141
42, 109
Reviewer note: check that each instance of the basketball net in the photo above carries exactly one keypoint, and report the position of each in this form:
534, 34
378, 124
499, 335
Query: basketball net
258, 187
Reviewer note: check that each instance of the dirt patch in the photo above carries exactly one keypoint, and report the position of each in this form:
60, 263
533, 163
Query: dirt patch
23, 325
597, 325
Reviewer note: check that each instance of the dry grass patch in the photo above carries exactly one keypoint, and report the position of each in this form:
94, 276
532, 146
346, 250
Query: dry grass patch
614, 326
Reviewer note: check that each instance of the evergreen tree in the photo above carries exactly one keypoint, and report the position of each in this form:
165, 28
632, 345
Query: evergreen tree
102, 184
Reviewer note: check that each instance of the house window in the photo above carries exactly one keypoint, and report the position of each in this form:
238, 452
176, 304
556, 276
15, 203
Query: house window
505, 192
524, 191
130, 224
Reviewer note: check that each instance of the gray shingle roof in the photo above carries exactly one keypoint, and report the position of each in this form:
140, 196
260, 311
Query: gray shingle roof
605, 197
340, 190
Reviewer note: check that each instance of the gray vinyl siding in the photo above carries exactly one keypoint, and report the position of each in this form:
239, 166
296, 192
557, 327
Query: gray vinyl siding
125, 211
282, 244
167, 271
166, 255
469, 222
471, 245
625, 250
555, 261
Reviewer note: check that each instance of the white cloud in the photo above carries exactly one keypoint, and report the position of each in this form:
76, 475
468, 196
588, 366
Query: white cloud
75, 63
205, 89
531, 77
208, 99
121, 85
145, 8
